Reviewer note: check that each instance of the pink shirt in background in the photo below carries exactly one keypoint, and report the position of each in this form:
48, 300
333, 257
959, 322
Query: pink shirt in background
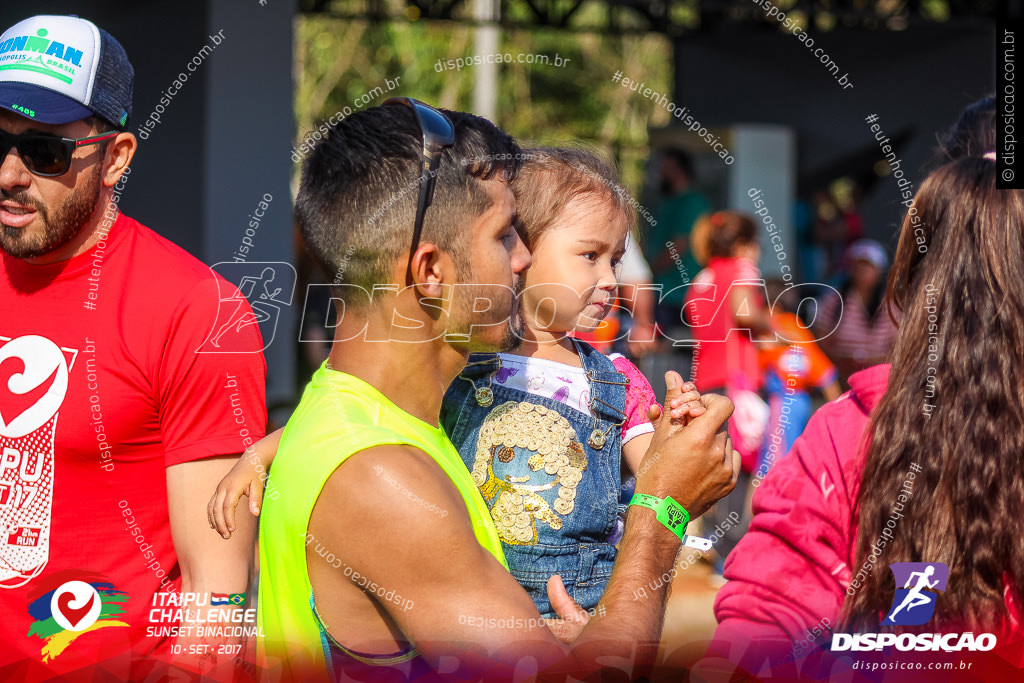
721, 349
788, 576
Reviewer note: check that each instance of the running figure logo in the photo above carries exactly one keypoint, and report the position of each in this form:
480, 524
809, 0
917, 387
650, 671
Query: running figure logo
917, 587
250, 294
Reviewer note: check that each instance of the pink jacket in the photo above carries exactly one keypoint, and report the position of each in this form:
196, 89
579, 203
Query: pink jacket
787, 578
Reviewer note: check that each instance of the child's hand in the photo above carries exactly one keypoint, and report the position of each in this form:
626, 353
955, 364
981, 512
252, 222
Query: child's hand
242, 480
682, 408
687, 406
571, 617
246, 478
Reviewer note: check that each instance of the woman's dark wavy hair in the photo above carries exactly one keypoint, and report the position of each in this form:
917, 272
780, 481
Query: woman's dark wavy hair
968, 500
973, 134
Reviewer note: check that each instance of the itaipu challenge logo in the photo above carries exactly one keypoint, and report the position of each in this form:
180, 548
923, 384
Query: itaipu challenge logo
65, 608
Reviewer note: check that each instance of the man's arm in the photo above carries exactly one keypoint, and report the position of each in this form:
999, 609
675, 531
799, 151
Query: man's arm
379, 513
208, 563
211, 406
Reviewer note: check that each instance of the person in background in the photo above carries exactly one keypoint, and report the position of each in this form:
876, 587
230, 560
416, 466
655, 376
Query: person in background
727, 312
919, 462
667, 246
855, 328
791, 367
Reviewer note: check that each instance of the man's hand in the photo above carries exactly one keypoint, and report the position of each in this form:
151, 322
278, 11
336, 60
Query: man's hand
695, 464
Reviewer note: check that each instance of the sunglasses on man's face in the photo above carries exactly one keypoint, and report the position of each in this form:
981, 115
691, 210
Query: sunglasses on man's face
437, 132
45, 154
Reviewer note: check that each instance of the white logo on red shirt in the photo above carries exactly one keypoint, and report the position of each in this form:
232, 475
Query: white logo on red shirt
33, 384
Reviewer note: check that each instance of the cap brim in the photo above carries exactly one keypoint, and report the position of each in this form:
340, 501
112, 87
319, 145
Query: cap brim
39, 104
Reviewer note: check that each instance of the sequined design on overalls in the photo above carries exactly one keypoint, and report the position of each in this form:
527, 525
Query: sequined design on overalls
572, 531
515, 504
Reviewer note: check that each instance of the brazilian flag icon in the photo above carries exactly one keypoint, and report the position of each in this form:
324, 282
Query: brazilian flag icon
237, 598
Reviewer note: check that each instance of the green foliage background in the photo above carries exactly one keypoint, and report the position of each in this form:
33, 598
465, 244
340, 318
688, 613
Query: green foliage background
338, 60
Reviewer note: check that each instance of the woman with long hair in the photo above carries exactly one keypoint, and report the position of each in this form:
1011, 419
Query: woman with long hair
920, 462
954, 404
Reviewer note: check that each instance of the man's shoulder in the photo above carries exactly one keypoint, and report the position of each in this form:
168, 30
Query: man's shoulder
335, 423
165, 273
149, 249
390, 477
332, 422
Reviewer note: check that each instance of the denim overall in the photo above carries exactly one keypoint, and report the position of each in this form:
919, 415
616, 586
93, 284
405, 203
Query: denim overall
549, 473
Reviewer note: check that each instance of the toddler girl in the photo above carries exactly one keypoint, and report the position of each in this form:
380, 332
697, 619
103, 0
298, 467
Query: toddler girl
552, 430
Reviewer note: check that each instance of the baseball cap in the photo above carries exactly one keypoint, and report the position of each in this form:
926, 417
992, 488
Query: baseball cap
868, 250
59, 69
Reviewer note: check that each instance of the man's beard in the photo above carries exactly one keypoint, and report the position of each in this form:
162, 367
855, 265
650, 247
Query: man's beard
516, 323
67, 221
464, 317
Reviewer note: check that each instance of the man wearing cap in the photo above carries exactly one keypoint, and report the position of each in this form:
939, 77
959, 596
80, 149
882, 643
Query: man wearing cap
113, 430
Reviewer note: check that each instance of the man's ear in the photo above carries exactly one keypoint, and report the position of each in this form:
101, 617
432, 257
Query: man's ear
432, 270
119, 154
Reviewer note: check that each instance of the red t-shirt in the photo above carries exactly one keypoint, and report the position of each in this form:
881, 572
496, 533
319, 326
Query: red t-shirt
101, 389
722, 348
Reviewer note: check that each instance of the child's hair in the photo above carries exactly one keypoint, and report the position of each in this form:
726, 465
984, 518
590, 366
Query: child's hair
551, 177
716, 234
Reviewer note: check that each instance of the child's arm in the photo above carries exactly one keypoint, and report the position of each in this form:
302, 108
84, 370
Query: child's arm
682, 410
832, 391
243, 480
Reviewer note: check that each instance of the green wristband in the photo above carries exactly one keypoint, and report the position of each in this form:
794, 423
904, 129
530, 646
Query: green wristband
670, 513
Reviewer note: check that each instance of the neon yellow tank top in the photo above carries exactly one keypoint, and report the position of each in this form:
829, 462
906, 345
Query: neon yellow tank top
339, 415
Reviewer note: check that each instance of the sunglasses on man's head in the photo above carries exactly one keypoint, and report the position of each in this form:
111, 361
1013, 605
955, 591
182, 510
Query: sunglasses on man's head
437, 132
45, 154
